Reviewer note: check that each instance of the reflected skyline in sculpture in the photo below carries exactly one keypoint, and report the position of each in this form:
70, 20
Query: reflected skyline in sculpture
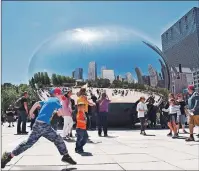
113, 53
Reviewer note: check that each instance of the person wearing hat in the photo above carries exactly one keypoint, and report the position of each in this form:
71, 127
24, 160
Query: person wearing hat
82, 135
42, 128
193, 110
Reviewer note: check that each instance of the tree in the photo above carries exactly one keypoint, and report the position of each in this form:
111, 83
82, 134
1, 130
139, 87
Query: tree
46, 79
54, 79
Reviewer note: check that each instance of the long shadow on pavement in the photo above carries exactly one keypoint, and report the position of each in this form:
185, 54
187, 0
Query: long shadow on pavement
69, 169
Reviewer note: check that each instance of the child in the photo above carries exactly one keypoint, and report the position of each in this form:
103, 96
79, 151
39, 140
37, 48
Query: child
142, 109
82, 135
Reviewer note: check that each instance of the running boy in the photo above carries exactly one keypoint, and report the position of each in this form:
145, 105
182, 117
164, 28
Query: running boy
82, 135
42, 128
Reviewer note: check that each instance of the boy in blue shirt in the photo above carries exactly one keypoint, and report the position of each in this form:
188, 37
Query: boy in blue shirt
42, 128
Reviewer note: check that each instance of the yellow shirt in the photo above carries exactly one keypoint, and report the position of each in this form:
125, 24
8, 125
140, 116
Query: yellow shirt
84, 100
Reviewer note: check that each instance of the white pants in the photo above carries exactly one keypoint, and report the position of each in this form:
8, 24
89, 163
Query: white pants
68, 124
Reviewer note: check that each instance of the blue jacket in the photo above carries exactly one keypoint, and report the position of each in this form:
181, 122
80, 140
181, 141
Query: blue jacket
193, 103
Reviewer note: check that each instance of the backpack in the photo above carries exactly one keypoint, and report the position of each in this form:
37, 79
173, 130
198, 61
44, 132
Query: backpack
17, 104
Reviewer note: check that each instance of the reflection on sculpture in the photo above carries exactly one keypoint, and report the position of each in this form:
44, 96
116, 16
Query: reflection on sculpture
80, 56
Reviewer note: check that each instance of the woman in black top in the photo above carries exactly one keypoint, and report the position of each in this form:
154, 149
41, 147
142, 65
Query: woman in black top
182, 117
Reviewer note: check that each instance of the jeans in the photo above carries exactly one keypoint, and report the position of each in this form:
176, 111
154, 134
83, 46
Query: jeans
68, 124
41, 130
22, 119
102, 122
82, 138
142, 121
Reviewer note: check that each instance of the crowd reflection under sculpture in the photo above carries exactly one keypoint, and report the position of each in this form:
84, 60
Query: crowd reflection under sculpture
119, 49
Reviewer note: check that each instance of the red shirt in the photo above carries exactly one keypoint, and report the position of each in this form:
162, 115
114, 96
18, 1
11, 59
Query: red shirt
81, 120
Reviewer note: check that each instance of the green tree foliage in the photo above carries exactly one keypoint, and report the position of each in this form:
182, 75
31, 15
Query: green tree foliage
9, 94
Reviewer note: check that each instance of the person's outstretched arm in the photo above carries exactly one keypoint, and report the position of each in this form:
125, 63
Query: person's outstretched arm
34, 107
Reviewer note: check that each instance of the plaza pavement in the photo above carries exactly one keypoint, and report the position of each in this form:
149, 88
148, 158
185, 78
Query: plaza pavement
123, 150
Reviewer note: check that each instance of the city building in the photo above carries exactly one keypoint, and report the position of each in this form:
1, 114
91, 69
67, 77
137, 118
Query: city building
73, 74
179, 83
153, 76
180, 43
129, 77
189, 74
108, 74
196, 78
119, 78
102, 68
146, 79
92, 71
79, 73
139, 75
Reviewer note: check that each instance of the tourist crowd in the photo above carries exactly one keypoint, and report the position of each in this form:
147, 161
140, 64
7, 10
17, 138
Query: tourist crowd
45, 117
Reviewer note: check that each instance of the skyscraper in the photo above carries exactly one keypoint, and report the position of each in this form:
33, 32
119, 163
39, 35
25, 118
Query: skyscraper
108, 74
180, 41
73, 74
119, 78
153, 76
102, 68
79, 73
92, 71
129, 77
139, 75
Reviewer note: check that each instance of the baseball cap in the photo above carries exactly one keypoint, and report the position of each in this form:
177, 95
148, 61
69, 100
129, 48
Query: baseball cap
56, 91
191, 87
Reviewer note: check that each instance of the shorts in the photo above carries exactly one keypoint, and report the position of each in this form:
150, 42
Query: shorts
194, 120
172, 118
181, 119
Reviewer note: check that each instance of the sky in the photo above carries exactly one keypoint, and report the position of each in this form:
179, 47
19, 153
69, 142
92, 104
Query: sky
25, 25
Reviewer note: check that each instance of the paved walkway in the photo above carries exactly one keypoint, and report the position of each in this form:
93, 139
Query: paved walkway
123, 150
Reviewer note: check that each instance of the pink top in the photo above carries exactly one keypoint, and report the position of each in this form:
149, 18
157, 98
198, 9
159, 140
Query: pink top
66, 107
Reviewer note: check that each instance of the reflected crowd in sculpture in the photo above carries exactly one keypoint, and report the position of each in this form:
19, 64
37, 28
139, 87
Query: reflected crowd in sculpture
116, 54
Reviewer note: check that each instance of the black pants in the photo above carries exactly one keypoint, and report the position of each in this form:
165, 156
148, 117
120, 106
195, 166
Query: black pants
89, 120
102, 122
142, 121
22, 119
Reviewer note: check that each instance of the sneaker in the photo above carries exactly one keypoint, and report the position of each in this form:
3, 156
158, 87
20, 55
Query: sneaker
13, 125
190, 139
99, 135
24, 133
105, 135
67, 159
71, 135
169, 134
144, 133
9, 126
79, 151
141, 133
5, 159
175, 136
185, 132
